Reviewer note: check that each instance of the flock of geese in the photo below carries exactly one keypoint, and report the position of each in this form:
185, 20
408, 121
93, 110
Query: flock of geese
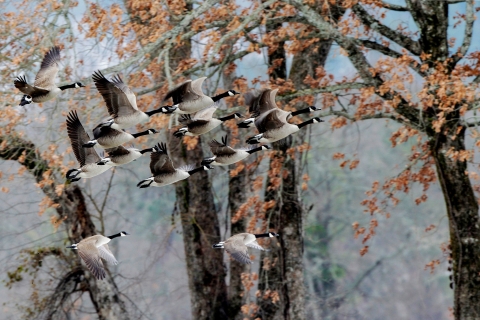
196, 112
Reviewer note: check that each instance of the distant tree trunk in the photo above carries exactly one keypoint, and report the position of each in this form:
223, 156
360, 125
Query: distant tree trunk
201, 229
104, 294
284, 261
236, 197
287, 215
462, 210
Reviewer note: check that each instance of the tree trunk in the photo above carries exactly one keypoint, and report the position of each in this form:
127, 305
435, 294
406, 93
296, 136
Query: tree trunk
285, 260
462, 210
236, 197
206, 274
104, 294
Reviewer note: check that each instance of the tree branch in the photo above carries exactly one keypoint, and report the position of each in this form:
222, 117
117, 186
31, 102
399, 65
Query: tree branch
467, 38
389, 52
358, 60
371, 22
332, 88
393, 7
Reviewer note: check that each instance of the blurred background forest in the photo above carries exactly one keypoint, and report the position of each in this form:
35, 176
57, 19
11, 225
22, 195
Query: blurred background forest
372, 241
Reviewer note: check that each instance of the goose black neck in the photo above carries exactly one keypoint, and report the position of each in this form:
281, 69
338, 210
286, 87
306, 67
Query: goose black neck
139, 134
151, 113
303, 124
196, 170
262, 235
69, 86
254, 150
306, 110
220, 96
146, 150
115, 235
227, 117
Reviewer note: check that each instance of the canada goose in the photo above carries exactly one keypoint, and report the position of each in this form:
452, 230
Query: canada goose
93, 248
121, 102
237, 245
86, 157
224, 155
107, 137
272, 123
163, 172
261, 101
121, 155
189, 98
202, 122
44, 87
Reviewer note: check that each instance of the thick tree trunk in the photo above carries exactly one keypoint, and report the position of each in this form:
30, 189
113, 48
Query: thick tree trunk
281, 269
462, 210
206, 274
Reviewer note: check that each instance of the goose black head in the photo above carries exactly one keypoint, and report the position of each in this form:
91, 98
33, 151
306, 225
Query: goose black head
273, 234
104, 161
153, 131
79, 85
313, 108
231, 93
317, 120
124, 233
265, 147
180, 132
238, 115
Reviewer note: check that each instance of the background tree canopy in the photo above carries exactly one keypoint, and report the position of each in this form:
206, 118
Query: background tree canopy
375, 207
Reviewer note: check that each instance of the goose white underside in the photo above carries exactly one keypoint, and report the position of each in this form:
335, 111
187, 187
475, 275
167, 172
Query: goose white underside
166, 179
125, 122
212, 124
121, 160
278, 134
227, 160
188, 107
112, 142
91, 170
49, 96
103, 240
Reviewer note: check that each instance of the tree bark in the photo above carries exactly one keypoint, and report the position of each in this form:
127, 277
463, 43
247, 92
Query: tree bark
236, 197
206, 274
462, 210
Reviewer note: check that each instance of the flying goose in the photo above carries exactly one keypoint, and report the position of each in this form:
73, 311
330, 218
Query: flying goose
260, 102
237, 245
86, 157
93, 248
107, 137
272, 122
44, 87
163, 172
189, 98
120, 155
202, 122
224, 155
121, 102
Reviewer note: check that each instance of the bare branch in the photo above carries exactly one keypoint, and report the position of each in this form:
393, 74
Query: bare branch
380, 115
394, 7
357, 58
467, 38
332, 88
391, 53
409, 44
